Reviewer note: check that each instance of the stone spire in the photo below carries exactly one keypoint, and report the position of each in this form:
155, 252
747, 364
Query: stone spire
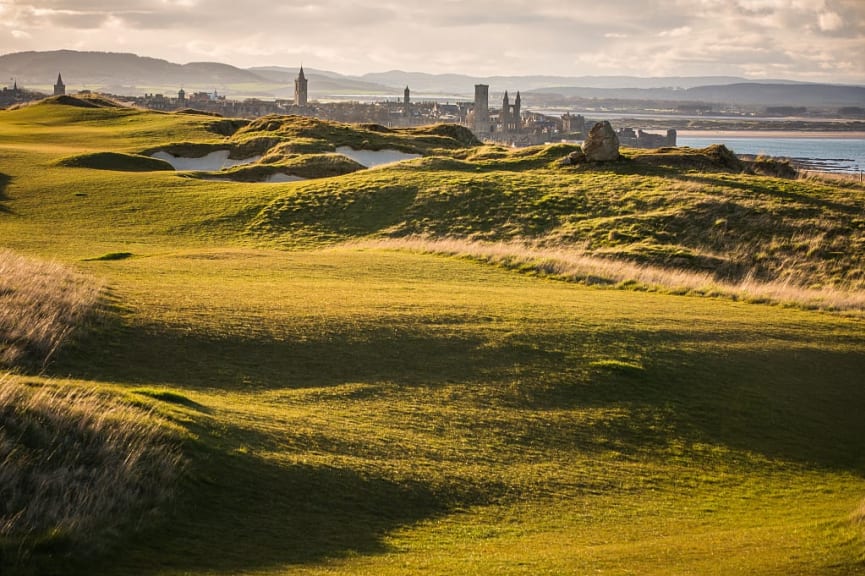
59, 87
300, 89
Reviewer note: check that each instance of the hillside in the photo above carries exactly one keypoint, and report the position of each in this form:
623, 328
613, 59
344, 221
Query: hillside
741, 93
130, 74
473, 360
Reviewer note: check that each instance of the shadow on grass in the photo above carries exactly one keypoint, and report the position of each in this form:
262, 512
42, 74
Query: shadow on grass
802, 404
241, 513
798, 400
190, 360
780, 189
5, 179
794, 400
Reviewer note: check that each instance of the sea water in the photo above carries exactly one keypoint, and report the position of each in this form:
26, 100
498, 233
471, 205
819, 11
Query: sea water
828, 154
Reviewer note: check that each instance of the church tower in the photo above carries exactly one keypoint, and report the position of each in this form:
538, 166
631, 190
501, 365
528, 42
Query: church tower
517, 120
406, 102
505, 116
300, 89
60, 87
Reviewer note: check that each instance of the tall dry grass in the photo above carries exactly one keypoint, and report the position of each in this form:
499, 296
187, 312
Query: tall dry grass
40, 305
575, 265
77, 467
851, 180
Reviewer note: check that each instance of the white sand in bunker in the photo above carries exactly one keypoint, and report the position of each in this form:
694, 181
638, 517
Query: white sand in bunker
210, 163
370, 158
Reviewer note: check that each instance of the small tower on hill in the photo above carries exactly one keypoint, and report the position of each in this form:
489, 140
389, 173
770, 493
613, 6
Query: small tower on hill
300, 89
59, 87
406, 102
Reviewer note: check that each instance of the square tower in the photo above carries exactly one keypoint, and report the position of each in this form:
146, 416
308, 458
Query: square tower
482, 108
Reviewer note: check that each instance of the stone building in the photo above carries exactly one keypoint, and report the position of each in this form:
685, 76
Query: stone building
640, 139
481, 114
574, 124
509, 118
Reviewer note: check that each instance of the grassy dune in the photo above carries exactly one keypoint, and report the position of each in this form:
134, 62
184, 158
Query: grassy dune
356, 409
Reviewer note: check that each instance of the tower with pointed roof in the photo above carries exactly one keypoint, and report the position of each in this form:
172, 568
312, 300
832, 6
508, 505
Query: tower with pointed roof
517, 120
59, 87
505, 114
300, 89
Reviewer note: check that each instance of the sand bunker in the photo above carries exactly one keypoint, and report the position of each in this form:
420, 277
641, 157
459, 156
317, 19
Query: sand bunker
370, 158
209, 163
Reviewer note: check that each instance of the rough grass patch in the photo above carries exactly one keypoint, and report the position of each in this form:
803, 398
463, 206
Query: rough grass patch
576, 265
77, 468
41, 303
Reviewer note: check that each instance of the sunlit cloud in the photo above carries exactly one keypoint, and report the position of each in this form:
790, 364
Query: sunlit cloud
749, 38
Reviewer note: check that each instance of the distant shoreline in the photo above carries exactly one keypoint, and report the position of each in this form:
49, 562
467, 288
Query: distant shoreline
770, 134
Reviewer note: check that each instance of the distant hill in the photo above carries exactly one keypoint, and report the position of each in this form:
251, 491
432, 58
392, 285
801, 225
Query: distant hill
743, 93
95, 69
323, 83
130, 74
464, 84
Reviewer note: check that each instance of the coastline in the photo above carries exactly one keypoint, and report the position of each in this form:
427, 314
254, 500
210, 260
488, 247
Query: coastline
841, 135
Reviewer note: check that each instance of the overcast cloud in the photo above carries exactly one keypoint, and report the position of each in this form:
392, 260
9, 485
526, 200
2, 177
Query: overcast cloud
814, 40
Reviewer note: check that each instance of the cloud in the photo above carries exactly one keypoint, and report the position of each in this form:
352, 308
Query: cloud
568, 37
676, 32
830, 22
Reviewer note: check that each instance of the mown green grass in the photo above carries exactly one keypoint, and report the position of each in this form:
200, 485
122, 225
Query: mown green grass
380, 412
365, 411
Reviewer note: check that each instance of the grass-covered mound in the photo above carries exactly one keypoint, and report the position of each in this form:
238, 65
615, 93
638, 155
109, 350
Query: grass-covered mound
734, 225
714, 158
305, 166
324, 136
299, 146
115, 161
80, 101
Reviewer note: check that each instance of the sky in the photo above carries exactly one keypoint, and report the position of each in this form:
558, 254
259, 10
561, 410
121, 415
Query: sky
809, 40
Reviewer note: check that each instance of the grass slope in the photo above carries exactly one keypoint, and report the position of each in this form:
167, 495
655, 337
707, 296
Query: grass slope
356, 409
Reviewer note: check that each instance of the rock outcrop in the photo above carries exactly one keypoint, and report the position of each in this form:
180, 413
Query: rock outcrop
602, 145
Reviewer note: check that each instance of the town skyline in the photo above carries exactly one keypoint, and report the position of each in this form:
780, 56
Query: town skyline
804, 40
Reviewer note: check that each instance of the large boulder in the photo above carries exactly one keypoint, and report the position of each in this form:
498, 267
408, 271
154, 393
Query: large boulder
602, 145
